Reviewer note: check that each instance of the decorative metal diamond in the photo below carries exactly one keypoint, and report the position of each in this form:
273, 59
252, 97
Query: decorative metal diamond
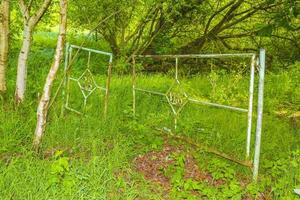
177, 97
87, 83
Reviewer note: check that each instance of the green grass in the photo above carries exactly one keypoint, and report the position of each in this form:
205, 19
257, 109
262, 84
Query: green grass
87, 157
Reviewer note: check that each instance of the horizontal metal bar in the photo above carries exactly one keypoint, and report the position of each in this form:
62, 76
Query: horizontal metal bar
73, 110
97, 86
198, 55
92, 50
149, 91
218, 105
73, 79
101, 88
170, 134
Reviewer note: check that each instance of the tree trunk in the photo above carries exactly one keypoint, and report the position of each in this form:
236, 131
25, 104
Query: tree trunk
4, 42
22, 64
45, 99
30, 22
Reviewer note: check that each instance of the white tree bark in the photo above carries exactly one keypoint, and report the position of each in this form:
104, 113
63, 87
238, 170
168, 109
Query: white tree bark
45, 99
30, 22
4, 41
22, 64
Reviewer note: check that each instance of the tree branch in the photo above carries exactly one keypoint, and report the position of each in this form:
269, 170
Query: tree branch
226, 45
215, 14
39, 14
24, 10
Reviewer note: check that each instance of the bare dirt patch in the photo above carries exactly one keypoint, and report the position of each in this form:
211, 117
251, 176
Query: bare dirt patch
153, 164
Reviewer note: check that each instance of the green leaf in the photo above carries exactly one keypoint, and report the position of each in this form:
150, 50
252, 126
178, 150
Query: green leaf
56, 169
68, 182
58, 153
265, 31
64, 162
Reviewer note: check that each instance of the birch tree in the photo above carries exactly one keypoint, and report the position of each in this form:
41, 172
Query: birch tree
4, 41
42, 109
30, 21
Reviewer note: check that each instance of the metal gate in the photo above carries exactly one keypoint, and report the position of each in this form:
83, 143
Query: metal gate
177, 98
86, 81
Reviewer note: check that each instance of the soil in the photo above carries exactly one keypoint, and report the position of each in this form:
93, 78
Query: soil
152, 165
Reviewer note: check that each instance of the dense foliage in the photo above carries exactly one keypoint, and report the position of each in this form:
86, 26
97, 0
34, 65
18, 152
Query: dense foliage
183, 26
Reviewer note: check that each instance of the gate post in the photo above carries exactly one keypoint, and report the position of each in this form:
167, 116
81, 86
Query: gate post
250, 107
66, 66
133, 85
262, 65
108, 80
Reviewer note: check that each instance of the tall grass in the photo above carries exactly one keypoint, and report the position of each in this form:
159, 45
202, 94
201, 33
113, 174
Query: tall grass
87, 157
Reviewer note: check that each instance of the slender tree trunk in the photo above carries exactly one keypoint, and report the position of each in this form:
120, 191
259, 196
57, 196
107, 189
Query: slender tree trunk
45, 99
22, 64
30, 22
4, 42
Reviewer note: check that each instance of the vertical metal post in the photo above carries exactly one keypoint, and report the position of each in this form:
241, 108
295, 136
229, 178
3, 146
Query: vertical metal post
84, 103
133, 84
176, 69
65, 77
250, 107
262, 58
108, 80
175, 122
89, 60
176, 78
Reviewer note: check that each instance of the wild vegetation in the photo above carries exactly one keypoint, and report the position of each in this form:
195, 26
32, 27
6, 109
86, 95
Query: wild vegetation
125, 156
